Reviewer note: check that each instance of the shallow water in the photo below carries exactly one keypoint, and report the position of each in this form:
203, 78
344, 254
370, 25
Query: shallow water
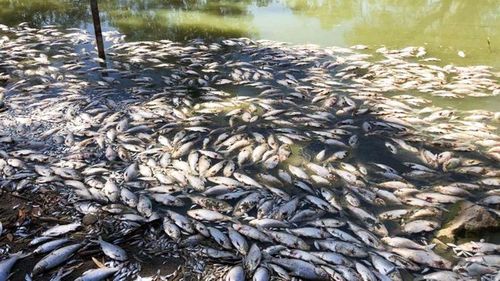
444, 27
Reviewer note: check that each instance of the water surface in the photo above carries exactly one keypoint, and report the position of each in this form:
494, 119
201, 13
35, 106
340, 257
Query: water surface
444, 27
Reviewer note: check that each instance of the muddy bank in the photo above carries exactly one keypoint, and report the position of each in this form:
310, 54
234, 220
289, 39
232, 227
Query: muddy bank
25, 216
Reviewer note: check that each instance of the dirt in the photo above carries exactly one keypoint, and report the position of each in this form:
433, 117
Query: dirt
33, 213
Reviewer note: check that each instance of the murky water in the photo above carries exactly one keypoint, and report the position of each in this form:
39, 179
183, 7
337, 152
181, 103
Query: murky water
444, 27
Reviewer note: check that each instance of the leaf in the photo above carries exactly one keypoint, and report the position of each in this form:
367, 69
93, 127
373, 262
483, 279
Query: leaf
98, 263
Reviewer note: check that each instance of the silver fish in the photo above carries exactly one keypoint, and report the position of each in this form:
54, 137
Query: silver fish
55, 258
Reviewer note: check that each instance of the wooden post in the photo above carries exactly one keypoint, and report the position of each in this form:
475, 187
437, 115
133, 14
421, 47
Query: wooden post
97, 28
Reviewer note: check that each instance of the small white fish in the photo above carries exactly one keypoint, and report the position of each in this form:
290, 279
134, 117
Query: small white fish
145, 206
247, 180
235, 274
112, 251
298, 172
131, 172
97, 274
208, 215
59, 230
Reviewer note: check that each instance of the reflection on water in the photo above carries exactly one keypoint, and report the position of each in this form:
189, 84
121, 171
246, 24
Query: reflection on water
445, 27
179, 20
66, 13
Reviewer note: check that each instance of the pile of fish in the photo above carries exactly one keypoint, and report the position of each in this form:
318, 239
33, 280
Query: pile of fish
258, 159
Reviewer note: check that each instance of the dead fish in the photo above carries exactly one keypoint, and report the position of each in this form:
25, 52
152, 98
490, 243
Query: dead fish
418, 226
207, 215
7, 264
145, 206
442, 275
235, 274
50, 246
239, 242
113, 251
219, 237
261, 274
301, 269
55, 258
131, 172
428, 258
97, 274
344, 248
171, 229
401, 242
59, 230
253, 258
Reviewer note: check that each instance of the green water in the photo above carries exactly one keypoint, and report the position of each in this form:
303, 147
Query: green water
444, 27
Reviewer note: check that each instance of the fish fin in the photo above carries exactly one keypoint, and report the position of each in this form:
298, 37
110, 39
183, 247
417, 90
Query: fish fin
98, 263
430, 246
